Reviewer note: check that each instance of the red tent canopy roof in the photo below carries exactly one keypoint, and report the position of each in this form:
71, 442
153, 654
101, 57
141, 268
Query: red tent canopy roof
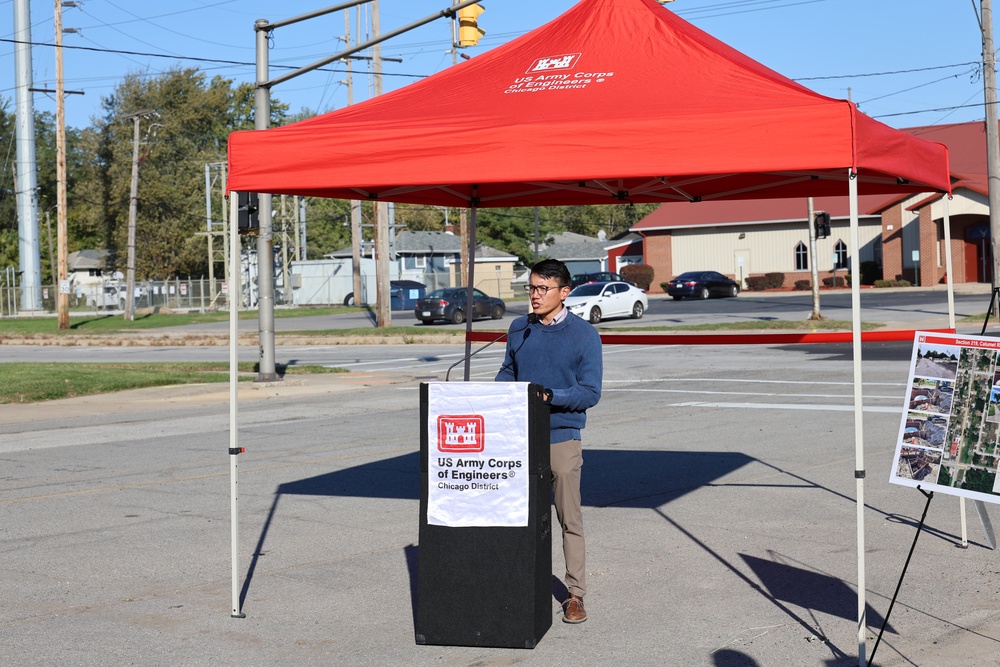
614, 101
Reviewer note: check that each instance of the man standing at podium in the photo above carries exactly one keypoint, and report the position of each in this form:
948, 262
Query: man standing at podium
558, 350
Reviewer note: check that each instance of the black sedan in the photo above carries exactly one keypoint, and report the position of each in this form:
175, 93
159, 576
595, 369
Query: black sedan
701, 285
449, 304
599, 277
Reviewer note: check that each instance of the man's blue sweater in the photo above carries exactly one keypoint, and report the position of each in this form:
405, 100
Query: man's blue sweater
564, 357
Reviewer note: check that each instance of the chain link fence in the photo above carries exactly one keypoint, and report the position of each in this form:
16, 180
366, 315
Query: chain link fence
190, 294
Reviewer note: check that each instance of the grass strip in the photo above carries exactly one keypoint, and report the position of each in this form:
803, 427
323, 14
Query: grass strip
33, 382
99, 324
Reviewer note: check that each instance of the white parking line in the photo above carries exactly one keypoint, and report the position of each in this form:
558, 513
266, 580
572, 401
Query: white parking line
741, 393
785, 406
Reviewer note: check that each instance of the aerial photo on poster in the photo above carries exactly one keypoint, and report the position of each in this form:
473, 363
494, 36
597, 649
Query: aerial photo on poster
948, 432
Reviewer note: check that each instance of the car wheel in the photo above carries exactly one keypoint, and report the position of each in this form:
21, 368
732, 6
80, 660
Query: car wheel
733, 290
703, 293
595, 315
349, 299
457, 317
677, 297
637, 310
497, 312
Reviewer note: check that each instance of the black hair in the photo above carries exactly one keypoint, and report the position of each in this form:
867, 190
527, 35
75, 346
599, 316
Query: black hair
553, 268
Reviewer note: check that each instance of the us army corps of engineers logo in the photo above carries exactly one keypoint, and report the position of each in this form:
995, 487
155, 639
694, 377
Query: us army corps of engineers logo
461, 433
556, 73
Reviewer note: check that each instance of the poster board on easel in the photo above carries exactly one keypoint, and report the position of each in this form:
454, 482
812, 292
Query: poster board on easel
948, 432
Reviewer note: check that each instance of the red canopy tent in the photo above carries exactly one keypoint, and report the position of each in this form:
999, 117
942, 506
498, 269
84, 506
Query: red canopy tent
615, 101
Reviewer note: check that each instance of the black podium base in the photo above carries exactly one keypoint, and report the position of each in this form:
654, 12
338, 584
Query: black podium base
487, 586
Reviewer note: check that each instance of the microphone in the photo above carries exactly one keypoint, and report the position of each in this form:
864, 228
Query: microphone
531, 318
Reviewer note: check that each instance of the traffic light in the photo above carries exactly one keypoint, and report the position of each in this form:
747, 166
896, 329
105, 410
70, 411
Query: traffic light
247, 220
469, 31
822, 224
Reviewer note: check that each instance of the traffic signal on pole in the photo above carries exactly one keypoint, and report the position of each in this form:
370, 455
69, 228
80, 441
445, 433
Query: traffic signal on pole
469, 31
822, 224
247, 219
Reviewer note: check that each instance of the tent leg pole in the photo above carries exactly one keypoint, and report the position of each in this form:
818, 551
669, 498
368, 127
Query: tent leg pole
234, 448
859, 453
965, 526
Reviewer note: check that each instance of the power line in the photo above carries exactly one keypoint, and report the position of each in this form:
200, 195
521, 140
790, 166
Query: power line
217, 61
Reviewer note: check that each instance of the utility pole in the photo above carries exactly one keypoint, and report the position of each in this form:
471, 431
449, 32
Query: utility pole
133, 204
359, 297
62, 294
992, 138
266, 371
383, 307
813, 260
27, 182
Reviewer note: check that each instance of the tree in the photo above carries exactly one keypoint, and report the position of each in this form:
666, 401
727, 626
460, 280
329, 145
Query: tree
194, 117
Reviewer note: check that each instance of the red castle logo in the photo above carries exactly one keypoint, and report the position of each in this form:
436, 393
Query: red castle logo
461, 433
565, 61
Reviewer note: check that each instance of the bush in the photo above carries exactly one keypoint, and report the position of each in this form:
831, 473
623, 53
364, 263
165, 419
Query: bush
774, 280
841, 281
803, 284
893, 283
640, 274
756, 283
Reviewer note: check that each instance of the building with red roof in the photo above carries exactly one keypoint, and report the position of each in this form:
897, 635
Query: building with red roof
902, 237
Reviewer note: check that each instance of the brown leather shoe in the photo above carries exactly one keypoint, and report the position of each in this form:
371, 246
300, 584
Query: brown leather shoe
573, 611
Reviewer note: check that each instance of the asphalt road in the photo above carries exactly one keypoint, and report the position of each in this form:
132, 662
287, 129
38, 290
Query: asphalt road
719, 495
886, 306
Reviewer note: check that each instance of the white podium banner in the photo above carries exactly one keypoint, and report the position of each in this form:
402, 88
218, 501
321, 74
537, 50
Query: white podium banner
477, 434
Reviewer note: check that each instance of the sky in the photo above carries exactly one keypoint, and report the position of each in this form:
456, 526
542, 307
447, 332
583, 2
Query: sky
906, 63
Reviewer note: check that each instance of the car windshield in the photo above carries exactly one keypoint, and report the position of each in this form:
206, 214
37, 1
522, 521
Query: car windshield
590, 289
690, 275
436, 294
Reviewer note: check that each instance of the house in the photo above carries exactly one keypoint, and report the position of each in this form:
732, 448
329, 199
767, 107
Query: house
430, 258
88, 267
901, 237
586, 254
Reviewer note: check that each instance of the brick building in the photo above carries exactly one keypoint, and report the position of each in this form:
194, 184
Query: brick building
901, 237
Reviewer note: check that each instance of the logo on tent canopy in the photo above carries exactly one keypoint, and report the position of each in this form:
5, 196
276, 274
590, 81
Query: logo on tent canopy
565, 61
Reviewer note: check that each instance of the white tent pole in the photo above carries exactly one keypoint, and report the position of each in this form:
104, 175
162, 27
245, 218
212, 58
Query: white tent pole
948, 267
234, 449
950, 281
859, 447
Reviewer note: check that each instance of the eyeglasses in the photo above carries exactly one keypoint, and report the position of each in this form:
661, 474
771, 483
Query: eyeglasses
541, 289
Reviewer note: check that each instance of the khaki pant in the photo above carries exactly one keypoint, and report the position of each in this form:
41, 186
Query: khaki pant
567, 465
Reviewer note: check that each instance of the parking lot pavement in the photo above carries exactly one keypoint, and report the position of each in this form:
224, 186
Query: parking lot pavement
719, 503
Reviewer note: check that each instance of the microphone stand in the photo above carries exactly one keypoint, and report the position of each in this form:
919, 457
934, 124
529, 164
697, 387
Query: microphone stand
472, 354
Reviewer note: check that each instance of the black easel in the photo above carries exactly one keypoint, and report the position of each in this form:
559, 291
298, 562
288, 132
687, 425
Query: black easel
993, 303
920, 526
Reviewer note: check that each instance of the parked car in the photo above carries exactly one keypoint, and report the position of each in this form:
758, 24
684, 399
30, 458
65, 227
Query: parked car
597, 301
701, 285
599, 277
110, 297
449, 304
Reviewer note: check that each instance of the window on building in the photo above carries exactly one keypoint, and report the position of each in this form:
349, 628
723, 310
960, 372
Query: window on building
801, 257
420, 261
840, 250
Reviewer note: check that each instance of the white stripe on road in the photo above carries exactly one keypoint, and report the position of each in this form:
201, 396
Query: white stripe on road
741, 393
786, 406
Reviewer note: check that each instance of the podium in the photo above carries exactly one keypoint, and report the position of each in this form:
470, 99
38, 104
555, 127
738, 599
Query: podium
485, 558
